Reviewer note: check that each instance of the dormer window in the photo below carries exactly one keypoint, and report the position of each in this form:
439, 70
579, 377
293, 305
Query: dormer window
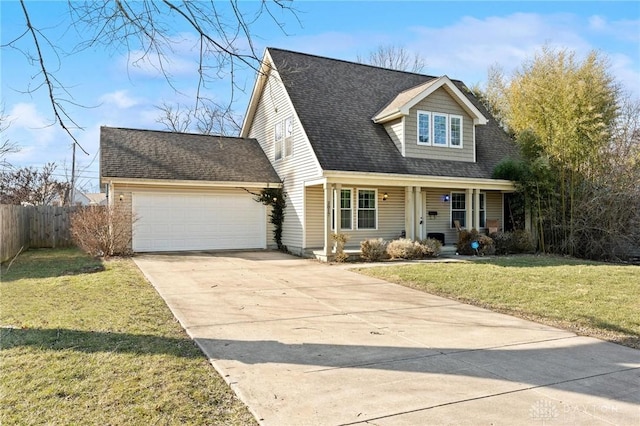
439, 129
424, 128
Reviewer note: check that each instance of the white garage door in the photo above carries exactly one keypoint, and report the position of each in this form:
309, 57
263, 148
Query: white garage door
174, 222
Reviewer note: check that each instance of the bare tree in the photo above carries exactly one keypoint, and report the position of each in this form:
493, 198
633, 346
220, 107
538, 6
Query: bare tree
209, 119
394, 57
29, 185
6, 146
147, 31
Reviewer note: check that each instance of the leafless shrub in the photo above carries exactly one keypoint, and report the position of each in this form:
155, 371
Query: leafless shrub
373, 250
102, 230
340, 240
404, 248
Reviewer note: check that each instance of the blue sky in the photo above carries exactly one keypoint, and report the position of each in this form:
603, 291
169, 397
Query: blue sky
459, 39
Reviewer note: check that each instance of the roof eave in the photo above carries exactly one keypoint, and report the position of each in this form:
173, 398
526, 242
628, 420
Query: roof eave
263, 73
183, 183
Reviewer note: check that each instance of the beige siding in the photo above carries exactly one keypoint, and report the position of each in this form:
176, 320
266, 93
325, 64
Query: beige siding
439, 101
390, 216
442, 222
494, 207
315, 216
274, 105
395, 129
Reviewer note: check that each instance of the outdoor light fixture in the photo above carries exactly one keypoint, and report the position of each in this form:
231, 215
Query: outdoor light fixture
385, 196
445, 198
121, 197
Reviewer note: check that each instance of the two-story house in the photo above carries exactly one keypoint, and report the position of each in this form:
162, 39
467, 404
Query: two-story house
361, 150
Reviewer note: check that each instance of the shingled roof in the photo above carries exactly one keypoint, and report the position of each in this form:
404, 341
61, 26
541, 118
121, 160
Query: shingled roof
151, 154
336, 100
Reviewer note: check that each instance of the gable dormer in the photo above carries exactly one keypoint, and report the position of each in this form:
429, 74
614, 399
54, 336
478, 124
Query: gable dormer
433, 120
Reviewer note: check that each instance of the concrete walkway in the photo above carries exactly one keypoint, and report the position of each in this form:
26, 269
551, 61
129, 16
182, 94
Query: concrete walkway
304, 343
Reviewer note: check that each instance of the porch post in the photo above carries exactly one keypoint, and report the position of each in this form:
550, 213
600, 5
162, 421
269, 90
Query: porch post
476, 210
409, 212
337, 204
418, 213
328, 201
469, 212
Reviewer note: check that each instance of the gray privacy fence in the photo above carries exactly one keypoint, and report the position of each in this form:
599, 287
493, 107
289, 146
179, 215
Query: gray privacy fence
23, 227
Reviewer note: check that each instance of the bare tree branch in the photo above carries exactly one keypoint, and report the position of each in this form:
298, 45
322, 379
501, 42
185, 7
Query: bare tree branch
50, 81
394, 57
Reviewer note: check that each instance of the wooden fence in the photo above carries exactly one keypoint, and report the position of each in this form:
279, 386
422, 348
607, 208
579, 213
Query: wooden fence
23, 227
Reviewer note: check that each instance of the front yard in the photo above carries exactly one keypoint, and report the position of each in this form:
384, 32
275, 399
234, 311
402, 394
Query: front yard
90, 342
595, 299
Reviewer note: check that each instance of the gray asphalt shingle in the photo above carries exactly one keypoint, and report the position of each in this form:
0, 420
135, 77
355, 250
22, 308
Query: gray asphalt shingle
151, 154
336, 100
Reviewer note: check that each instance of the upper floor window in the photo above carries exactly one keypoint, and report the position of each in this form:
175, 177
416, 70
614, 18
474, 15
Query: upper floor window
439, 129
424, 128
283, 138
278, 136
455, 131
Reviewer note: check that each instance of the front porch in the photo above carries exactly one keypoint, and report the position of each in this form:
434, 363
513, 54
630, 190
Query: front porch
367, 210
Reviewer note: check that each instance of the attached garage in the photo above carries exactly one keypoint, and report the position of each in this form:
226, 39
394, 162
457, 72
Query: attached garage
197, 221
187, 191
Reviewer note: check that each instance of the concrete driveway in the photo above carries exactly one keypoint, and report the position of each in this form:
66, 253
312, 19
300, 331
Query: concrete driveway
304, 343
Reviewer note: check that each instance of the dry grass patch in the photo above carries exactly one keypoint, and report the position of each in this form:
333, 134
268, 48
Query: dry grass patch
589, 298
86, 342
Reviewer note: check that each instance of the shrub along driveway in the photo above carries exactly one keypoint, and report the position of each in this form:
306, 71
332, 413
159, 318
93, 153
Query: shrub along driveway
309, 343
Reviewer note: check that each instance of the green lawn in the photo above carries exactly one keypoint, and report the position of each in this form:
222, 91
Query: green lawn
595, 299
91, 342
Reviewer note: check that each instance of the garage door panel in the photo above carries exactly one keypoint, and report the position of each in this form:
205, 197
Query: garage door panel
173, 222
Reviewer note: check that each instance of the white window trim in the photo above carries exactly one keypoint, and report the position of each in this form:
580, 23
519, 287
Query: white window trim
452, 116
357, 207
433, 131
288, 137
428, 114
333, 215
432, 139
278, 141
451, 208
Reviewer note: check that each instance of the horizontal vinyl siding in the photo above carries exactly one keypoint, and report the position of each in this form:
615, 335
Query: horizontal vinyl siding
494, 207
390, 216
315, 216
395, 129
439, 101
274, 105
442, 222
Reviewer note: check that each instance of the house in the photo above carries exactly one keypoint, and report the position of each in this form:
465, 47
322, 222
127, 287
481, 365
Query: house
361, 150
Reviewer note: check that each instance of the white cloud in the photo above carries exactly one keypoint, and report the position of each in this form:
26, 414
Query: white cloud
468, 47
626, 30
119, 98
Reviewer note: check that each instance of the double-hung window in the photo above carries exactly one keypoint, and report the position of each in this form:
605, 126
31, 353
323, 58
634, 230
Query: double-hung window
455, 131
458, 208
367, 210
278, 138
283, 138
345, 210
288, 136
